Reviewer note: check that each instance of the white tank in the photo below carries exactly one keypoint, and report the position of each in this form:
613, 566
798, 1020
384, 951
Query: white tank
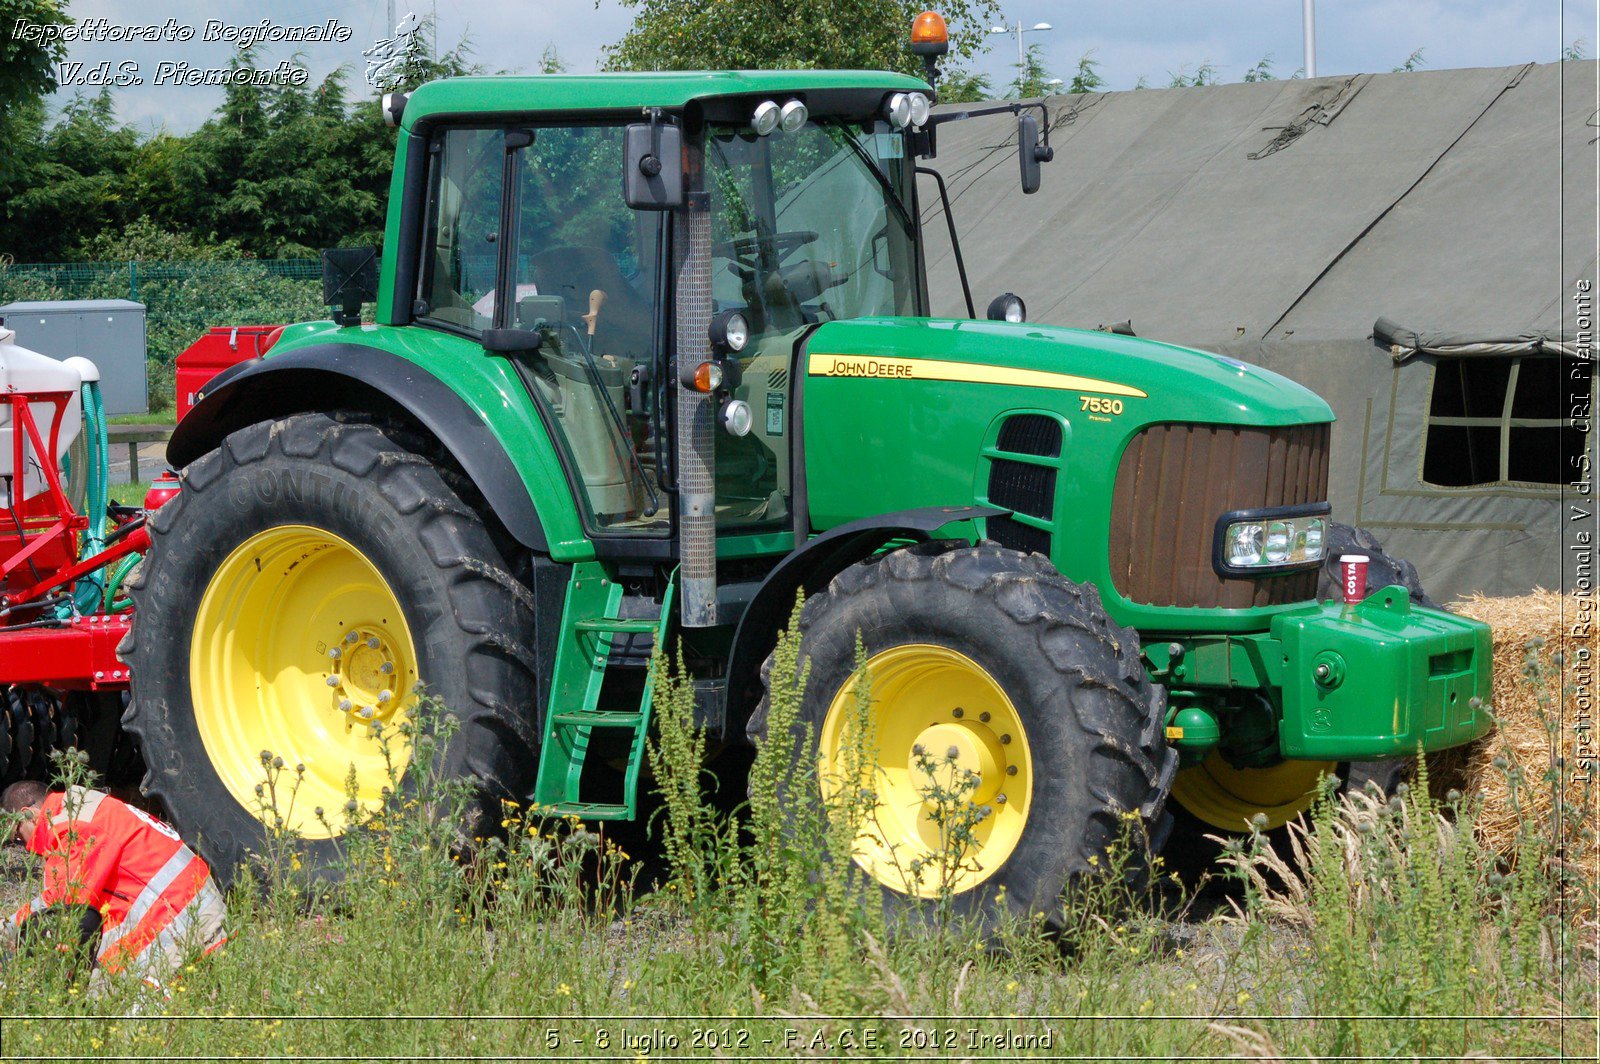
22, 370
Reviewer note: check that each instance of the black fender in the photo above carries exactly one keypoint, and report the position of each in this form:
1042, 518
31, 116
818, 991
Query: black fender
359, 377
809, 569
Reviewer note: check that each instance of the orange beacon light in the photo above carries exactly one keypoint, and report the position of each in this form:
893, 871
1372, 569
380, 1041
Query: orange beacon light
929, 35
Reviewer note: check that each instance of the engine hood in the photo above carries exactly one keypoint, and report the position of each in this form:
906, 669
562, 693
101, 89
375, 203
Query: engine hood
1165, 381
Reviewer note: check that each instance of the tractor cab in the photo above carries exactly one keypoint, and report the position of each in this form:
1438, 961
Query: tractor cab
811, 220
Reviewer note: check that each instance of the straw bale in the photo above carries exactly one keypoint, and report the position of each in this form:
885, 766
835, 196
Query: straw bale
1543, 686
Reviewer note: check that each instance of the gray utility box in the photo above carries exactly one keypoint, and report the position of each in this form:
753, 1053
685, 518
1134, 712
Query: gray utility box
108, 332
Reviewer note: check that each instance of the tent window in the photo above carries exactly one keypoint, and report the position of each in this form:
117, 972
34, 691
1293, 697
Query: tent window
1500, 420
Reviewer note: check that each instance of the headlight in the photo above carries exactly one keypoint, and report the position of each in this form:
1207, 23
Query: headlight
793, 116
898, 110
920, 109
766, 117
1262, 542
1008, 307
736, 417
729, 331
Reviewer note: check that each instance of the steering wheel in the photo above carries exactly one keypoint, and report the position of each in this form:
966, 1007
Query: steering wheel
744, 249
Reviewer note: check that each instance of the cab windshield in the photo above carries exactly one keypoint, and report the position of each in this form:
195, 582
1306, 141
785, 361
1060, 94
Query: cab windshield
807, 226
811, 225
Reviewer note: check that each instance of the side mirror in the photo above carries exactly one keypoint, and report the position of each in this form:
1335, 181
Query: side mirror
1030, 153
652, 168
349, 279
511, 341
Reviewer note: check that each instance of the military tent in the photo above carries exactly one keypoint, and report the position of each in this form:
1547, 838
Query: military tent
1414, 246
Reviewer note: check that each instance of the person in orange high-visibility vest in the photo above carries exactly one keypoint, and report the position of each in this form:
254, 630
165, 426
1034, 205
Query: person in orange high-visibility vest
158, 906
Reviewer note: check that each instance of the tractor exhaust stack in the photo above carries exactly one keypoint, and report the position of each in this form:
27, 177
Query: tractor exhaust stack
697, 518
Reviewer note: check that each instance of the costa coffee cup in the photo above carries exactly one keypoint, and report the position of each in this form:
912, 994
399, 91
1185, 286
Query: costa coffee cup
1353, 577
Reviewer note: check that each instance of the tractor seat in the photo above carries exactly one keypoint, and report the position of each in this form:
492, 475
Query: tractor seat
626, 323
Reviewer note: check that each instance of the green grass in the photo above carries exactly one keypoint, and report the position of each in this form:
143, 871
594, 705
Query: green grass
131, 494
1394, 935
168, 416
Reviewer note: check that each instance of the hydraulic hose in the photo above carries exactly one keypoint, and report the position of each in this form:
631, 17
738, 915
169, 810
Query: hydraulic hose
90, 594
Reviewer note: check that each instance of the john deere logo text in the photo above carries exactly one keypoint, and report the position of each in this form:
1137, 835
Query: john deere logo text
933, 369
868, 367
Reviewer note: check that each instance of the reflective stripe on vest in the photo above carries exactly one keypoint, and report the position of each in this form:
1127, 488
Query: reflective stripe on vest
129, 930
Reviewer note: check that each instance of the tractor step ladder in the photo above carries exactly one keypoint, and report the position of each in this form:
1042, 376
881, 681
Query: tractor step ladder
583, 650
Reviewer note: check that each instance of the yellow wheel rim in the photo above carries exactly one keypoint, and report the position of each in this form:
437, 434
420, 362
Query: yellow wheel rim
934, 700
300, 648
1226, 797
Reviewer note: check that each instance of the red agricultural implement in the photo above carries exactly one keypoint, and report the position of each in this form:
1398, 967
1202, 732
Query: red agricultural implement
67, 552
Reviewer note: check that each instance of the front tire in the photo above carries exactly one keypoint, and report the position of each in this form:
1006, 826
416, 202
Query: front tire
310, 573
996, 656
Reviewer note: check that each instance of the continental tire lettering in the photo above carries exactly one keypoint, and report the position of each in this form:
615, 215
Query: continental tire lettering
930, 369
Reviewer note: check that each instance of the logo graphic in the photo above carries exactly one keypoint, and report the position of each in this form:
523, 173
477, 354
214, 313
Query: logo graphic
390, 60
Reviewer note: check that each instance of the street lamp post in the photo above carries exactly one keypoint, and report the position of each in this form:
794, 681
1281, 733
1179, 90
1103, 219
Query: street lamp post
1308, 15
1022, 49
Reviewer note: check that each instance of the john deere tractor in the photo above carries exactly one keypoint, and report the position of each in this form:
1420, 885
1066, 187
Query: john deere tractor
652, 355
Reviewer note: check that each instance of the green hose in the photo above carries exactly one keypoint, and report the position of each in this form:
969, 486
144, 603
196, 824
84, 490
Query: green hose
90, 593
123, 569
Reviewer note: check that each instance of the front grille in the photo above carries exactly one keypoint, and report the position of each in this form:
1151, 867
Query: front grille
1174, 482
1014, 535
1031, 434
1023, 488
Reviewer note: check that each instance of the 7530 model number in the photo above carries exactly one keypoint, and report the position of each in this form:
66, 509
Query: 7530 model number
1096, 405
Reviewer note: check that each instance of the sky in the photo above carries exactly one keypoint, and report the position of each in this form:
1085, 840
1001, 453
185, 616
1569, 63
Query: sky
1152, 40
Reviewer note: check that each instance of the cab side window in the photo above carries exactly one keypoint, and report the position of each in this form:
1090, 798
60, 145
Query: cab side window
461, 239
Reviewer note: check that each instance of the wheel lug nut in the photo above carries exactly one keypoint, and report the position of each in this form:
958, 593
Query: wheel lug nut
958, 712
333, 681
344, 705
372, 641
335, 653
351, 637
1011, 770
367, 712
384, 696
984, 716
386, 668
1005, 740
1000, 799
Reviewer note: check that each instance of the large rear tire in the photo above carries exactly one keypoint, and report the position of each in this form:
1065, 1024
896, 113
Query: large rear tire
996, 656
310, 573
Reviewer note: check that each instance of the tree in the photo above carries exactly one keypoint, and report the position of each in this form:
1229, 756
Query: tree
1205, 74
1262, 71
960, 85
788, 34
28, 61
550, 61
1573, 52
1413, 62
1087, 77
1033, 78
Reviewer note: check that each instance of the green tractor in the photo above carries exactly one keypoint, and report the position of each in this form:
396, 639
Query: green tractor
652, 355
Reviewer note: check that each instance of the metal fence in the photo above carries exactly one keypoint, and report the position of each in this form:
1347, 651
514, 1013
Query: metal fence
182, 297
133, 272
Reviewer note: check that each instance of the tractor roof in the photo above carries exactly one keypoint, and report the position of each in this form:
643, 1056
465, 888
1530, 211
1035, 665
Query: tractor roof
632, 91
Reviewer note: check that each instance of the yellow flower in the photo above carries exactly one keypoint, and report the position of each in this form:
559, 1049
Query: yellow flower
564, 989
1242, 998
1011, 987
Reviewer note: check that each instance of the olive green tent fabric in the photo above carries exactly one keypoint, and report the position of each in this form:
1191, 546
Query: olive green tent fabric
1276, 222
